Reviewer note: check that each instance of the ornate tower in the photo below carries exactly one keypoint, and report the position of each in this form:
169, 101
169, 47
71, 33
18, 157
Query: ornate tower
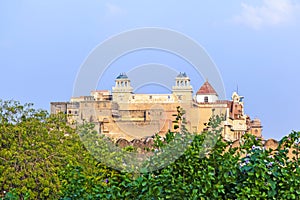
237, 110
183, 89
122, 90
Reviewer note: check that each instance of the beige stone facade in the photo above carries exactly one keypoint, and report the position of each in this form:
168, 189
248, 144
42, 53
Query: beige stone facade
120, 113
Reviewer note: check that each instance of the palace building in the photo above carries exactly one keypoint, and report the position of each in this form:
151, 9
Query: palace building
120, 113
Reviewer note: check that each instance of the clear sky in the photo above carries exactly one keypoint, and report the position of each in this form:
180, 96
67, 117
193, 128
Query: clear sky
254, 43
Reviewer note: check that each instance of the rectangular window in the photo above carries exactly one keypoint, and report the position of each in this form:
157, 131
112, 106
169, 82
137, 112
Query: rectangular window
206, 99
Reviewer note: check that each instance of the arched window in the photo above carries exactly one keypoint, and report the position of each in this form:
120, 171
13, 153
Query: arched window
206, 99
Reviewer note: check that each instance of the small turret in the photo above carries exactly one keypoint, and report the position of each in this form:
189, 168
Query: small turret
206, 94
122, 90
183, 89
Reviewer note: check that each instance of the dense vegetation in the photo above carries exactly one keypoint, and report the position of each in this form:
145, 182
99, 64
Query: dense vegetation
43, 158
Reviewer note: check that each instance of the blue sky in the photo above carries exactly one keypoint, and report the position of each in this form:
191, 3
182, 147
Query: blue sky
255, 45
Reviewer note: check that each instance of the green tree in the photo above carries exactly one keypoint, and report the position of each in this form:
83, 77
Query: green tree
34, 147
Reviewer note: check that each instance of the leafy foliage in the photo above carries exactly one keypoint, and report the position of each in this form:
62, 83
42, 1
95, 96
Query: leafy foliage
34, 148
211, 171
41, 157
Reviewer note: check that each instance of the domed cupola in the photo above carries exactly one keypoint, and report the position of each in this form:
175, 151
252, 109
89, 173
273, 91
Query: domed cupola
206, 94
